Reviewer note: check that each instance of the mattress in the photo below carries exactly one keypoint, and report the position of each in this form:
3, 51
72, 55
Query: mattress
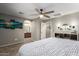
50, 47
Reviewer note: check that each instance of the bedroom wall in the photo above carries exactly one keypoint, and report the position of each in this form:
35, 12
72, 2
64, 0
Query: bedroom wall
71, 19
9, 36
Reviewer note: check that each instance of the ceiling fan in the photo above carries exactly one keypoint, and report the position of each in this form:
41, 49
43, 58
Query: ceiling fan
42, 13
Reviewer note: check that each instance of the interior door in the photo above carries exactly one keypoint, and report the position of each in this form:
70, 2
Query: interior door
45, 29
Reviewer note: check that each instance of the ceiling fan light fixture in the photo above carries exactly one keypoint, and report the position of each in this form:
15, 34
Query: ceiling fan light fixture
41, 16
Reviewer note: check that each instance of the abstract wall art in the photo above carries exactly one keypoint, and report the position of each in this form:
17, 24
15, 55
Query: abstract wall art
11, 24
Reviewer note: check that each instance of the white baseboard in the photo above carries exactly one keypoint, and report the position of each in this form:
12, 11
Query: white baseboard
10, 44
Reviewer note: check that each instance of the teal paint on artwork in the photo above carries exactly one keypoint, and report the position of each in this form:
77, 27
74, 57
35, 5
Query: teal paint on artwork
12, 24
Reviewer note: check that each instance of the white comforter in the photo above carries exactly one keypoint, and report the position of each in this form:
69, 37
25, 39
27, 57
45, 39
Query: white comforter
51, 47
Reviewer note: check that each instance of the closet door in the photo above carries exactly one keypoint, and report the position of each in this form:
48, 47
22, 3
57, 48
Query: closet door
45, 29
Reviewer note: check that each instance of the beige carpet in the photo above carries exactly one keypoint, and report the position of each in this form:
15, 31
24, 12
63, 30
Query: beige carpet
13, 49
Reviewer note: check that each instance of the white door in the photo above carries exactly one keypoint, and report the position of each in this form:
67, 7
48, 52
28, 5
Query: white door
45, 30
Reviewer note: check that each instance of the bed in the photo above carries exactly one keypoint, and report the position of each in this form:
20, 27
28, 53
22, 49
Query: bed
50, 47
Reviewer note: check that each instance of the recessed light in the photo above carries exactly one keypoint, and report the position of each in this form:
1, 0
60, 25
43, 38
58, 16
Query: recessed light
21, 12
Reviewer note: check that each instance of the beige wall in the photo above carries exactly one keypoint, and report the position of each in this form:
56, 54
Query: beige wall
8, 36
11, 36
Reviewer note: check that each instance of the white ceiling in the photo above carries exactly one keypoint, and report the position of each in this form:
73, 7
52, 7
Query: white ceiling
29, 8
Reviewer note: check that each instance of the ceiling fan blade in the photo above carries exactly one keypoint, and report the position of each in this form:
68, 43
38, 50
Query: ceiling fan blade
46, 16
48, 12
37, 10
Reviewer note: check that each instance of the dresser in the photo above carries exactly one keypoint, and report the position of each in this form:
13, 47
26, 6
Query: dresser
67, 36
